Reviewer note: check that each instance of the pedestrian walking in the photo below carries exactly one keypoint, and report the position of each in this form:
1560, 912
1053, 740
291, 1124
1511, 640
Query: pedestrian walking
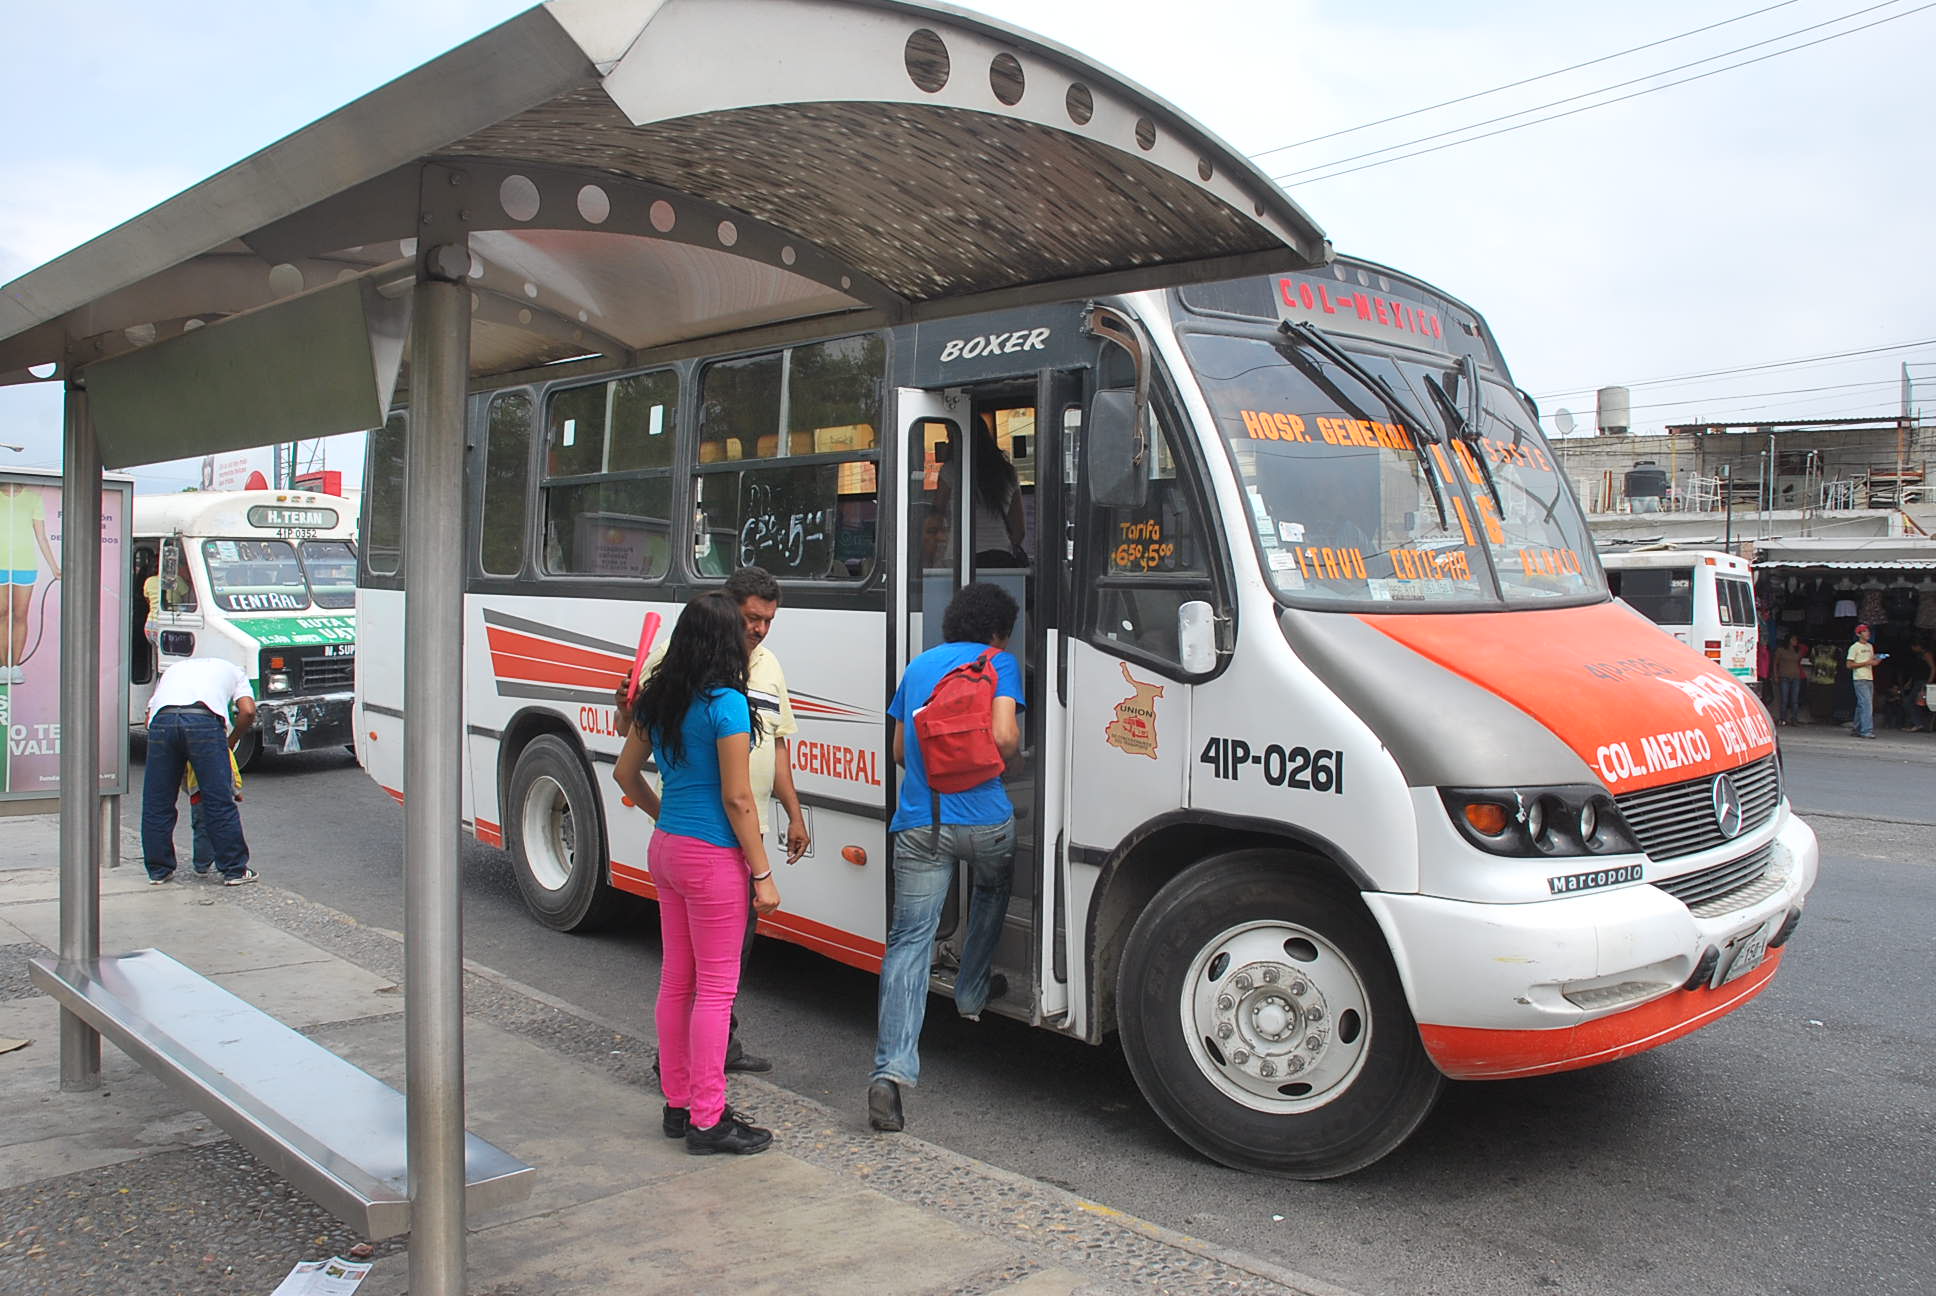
693, 713
1861, 659
189, 728
934, 830
757, 595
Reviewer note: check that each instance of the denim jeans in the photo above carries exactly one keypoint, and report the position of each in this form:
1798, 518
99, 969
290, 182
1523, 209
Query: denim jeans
1864, 707
1791, 699
178, 738
924, 874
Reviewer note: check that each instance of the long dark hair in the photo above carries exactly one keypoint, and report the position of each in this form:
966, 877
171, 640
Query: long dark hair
707, 651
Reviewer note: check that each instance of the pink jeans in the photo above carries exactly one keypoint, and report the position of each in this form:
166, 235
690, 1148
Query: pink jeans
702, 921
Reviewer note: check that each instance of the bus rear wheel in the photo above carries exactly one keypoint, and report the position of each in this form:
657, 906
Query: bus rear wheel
1264, 1021
248, 750
556, 839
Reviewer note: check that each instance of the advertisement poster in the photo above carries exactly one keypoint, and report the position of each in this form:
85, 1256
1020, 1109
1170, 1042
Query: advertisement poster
31, 658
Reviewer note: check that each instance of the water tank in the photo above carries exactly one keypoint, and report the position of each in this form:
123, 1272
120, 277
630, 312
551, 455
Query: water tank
1615, 411
1646, 482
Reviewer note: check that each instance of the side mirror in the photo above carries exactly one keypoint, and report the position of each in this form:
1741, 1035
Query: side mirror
1196, 637
1117, 451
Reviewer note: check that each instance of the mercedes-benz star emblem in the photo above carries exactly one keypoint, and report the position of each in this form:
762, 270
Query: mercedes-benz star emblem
1727, 806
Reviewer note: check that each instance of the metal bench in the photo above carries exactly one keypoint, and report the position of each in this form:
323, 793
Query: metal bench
334, 1131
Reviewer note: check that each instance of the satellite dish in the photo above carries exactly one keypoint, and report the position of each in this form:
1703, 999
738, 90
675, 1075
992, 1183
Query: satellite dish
1563, 420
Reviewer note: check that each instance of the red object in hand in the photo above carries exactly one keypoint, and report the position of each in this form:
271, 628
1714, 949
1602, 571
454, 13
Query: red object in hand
648, 631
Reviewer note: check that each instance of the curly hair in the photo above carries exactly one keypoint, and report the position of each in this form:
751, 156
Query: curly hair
707, 651
980, 613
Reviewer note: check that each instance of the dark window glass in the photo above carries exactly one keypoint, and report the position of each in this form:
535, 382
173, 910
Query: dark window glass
834, 395
616, 527
330, 566
1664, 595
507, 469
383, 490
739, 409
575, 431
642, 411
800, 522
1151, 559
255, 576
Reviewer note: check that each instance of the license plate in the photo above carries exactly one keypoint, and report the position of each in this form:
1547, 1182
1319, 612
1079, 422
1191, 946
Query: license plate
1750, 951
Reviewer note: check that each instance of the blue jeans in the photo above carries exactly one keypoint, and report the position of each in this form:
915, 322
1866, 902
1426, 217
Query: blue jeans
1864, 707
924, 873
180, 737
1790, 692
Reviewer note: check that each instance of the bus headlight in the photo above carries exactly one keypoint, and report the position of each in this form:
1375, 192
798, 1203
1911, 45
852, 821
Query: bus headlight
278, 682
1540, 821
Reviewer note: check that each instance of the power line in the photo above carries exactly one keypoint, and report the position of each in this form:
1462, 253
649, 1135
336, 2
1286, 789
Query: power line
1723, 397
1719, 373
1605, 103
1514, 85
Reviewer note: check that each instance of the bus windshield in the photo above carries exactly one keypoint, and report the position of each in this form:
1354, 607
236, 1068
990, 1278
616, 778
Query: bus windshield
330, 566
1366, 486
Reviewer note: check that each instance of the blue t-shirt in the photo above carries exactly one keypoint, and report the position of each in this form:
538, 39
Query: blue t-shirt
692, 804
985, 803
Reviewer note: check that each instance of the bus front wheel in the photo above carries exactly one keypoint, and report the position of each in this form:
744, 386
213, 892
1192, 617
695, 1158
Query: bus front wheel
556, 838
248, 750
1264, 1021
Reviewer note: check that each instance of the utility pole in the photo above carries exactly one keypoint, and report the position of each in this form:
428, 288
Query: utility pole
1727, 506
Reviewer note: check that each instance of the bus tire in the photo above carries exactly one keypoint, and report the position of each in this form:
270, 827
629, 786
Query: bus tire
248, 750
1264, 1022
556, 839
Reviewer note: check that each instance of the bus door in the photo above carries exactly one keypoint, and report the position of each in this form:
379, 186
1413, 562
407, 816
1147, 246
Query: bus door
972, 511
178, 622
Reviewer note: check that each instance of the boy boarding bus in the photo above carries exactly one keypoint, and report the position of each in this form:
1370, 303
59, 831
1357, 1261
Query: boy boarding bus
268, 579
1703, 597
1341, 772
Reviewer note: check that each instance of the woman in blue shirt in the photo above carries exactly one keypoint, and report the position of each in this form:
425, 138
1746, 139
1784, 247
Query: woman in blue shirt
693, 712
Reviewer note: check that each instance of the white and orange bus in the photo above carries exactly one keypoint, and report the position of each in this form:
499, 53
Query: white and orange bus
1342, 772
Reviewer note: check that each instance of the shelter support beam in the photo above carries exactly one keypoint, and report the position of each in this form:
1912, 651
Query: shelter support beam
433, 548
80, 712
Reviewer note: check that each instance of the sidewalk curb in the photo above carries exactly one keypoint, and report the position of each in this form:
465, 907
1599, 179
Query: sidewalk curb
872, 1156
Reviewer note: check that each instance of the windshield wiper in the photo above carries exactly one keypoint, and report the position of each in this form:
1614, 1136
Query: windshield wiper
1466, 422
1324, 346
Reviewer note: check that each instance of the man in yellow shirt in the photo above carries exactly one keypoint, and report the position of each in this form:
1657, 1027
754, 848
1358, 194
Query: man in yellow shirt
1861, 661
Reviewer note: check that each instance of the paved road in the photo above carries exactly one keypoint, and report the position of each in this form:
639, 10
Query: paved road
1785, 1149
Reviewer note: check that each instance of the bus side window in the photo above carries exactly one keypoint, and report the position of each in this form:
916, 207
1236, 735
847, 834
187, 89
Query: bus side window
1150, 560
608, 477
507, 470
788, 472
383, 499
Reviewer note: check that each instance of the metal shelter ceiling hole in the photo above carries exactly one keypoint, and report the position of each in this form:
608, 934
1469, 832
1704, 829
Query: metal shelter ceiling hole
477, 266
530, 289
663, 217
1205, 170
47, 370
1005, 78
407, 247
524, 317
1145, 134
594, 204
139, 334
285, 280
788, 256
926, 57
1080, 103
518, 196
728, 233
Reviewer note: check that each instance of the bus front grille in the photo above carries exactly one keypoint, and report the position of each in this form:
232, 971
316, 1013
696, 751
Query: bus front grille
328, 674
1712, 892
1679, 819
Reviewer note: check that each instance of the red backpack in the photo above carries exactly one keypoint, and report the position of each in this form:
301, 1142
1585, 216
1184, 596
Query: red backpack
955, 730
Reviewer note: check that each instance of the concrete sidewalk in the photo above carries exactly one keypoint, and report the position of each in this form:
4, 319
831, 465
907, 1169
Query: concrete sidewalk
122, 1189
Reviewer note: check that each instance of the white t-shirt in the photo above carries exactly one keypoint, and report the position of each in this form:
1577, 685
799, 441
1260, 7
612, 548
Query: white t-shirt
772, 706
210, 681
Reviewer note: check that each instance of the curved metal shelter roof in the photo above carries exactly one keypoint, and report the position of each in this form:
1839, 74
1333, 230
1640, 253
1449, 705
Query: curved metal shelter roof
629, 174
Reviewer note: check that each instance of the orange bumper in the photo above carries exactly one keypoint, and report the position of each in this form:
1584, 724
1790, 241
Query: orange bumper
1472, 1053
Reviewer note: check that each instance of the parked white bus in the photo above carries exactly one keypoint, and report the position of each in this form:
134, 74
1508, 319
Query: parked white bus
265, 579
1703, 597
1342, 773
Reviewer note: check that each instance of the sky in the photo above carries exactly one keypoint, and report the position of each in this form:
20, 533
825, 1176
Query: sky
1729, 234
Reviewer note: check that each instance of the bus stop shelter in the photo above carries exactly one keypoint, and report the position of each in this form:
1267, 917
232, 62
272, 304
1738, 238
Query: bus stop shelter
590, 180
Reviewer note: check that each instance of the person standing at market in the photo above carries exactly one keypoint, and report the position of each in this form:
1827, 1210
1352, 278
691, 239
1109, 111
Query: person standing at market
1788, 680
1861, 661
188, 728
706, 843
757, 596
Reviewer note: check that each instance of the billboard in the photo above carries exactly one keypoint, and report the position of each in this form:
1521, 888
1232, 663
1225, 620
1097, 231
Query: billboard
31, 654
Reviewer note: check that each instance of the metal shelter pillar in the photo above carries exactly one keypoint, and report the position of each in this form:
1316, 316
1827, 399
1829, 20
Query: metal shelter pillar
433, 582
80, 712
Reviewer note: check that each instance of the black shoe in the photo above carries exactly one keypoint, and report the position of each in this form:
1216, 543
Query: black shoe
732, 1134
884, 1107
997, 988
675, 1121
741, 1060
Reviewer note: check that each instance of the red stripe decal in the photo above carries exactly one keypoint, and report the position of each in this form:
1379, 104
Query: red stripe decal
534, 670
550, 650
